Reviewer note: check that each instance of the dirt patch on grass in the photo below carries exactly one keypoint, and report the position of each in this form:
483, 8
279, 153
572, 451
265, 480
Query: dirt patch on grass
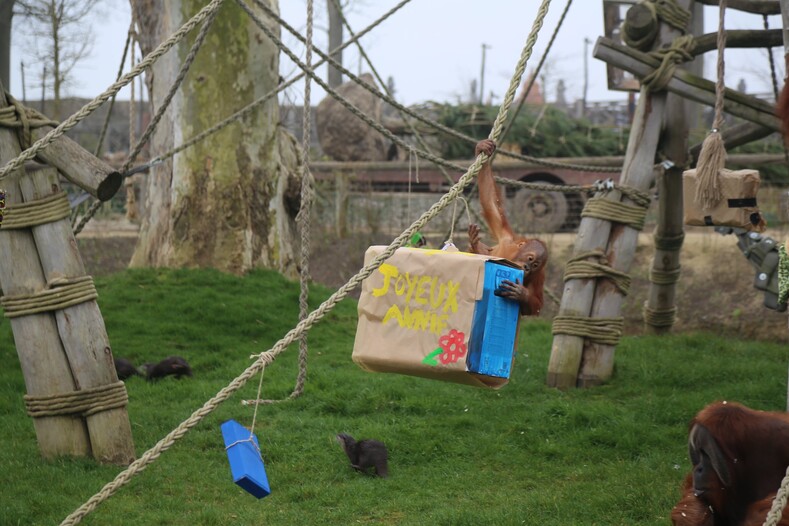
715, 291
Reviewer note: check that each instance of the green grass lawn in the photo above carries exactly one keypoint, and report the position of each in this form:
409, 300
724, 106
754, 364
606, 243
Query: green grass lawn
459, 455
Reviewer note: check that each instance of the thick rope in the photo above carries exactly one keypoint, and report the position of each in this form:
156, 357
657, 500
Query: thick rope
673, 14
303, 217
84, 402
615, 211
265, 358
643, 43
39, 212
669, 243
58, 294
664, 277
187, 63
712, 157
670, 58
659, 317
779, 503
606, 331
89, 108
579, 267
23, 119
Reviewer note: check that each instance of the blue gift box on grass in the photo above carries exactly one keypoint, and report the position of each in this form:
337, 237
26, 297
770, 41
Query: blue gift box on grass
494, 328
246, 464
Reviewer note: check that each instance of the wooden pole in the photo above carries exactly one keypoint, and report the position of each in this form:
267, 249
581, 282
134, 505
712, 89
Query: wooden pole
80, 326
575, 361
36, 338
79, 166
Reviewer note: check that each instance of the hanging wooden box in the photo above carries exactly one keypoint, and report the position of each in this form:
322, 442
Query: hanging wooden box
737, 208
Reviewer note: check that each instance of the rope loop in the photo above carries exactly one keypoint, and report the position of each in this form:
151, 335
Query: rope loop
615, 211
677, 53
659, 317
84, 402
605, 331
664, 277
669, 243
57, 295
579, 267
23, 120
39, 212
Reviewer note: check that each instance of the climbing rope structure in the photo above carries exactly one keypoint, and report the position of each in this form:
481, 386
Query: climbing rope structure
265, 358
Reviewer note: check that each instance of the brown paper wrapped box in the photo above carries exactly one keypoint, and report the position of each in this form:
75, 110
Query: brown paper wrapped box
416, 313
738, 207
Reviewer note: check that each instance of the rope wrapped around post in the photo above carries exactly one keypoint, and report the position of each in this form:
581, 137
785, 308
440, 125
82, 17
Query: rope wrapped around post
23, 119
57, 295
580, 268
615, 211
85, 402
659, 317
669, 243
39, 212
606, 331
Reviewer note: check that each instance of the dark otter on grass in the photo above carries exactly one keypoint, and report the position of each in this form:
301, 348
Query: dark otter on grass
125, 369
170, 366
365, 454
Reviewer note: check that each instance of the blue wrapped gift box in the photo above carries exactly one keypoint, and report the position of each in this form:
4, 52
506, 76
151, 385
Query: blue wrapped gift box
494, 328
246, 464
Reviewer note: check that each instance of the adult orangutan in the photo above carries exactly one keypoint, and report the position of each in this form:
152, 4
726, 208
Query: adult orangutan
739, 458
529, 253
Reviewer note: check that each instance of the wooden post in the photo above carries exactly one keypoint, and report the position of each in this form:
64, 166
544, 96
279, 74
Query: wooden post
670, 223
80, 326
79, 166
36, 338
575, 361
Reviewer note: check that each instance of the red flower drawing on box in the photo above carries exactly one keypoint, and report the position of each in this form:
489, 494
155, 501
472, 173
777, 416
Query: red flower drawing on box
453, 346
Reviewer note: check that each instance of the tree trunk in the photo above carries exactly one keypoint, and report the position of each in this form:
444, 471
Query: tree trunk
226, 202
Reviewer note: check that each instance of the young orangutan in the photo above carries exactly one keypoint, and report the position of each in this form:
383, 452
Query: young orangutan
529, 253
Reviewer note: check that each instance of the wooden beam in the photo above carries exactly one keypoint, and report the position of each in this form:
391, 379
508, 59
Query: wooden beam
757, 7
687, 85
738, 135
79, 166
739, 38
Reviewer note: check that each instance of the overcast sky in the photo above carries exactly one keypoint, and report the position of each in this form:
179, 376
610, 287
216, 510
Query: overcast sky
433, 48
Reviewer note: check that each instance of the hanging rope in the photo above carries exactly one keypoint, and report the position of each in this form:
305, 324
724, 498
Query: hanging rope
712, 157
265, 358
303, 220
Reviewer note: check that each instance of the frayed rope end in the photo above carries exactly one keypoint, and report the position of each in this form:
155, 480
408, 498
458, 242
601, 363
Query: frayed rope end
712, 159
